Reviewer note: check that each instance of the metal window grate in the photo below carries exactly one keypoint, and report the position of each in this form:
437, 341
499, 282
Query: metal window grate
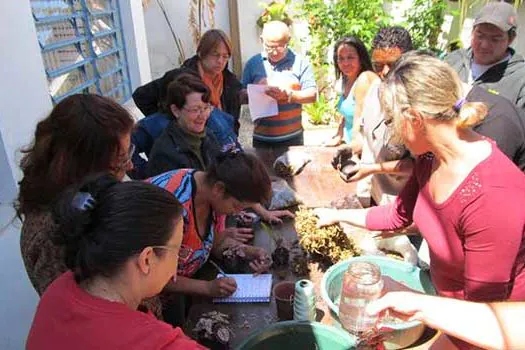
82, 47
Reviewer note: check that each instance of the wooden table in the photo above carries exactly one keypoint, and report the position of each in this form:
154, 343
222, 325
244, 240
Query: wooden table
317, 184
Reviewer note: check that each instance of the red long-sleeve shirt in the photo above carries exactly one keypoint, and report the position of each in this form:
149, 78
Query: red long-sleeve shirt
476, 237
69, 318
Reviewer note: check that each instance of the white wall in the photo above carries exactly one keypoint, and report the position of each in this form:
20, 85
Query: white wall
24, 99
136, 43
163, 53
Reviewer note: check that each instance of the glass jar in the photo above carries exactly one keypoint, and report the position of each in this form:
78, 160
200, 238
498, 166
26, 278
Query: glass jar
362, 284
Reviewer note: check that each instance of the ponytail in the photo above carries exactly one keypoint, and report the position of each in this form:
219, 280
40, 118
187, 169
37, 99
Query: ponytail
471, 114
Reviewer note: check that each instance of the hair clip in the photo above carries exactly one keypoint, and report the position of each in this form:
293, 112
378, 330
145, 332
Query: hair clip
458, 105
230, 149
83, 201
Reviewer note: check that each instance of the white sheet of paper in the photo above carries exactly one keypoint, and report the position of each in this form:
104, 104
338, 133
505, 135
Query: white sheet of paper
260, 104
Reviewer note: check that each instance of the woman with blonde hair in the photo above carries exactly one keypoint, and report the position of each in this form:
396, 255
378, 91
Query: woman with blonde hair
465, 196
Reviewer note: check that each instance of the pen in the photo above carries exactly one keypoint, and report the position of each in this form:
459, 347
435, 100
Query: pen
221, 272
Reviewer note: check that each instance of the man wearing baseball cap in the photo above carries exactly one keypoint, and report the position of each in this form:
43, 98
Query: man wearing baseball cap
490, 62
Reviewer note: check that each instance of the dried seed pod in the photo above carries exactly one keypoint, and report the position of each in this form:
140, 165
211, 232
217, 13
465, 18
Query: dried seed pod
234, 260
213, 327
281, 254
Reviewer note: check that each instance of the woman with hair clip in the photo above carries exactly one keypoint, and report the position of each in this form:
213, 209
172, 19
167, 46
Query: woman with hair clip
355, 74
83, 135
235, 181
123, 242
465, 196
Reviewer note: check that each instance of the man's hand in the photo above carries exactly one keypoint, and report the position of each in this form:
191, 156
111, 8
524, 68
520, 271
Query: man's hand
278, 94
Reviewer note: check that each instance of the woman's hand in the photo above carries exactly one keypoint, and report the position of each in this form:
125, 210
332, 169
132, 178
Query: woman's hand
239, 234
276, 216
221, 287
403, 305
260, 259
327, 216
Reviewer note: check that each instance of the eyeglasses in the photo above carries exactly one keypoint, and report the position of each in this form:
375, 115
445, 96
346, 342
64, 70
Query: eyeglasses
199, 110
275, 48
182, 252
124, 161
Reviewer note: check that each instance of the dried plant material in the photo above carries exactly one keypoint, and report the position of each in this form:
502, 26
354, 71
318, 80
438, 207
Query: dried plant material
200, 12
213, 326
246, 219
234, 259
291, 163
281, 253
299, 260
329, 242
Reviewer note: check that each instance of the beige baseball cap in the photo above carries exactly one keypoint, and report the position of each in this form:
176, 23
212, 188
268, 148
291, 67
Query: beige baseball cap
500, 14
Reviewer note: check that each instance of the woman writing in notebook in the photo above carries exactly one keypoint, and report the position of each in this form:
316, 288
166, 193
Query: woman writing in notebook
236, 180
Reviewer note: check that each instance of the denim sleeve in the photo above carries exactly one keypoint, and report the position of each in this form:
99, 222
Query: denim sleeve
221, 125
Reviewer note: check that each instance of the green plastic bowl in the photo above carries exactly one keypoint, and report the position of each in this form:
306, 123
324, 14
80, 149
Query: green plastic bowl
302, 335
406, 333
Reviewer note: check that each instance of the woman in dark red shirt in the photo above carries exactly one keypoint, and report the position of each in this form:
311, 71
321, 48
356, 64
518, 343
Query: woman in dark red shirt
465, 196
122, 245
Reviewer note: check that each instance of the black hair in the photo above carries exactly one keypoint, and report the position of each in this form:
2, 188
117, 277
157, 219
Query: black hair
103, 223
391, 37
244, 176
364, 58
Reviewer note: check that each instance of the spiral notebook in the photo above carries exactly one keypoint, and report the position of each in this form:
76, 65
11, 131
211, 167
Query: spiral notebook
250, 289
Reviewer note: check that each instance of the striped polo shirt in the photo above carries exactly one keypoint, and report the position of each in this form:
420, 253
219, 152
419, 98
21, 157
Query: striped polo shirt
293, 72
